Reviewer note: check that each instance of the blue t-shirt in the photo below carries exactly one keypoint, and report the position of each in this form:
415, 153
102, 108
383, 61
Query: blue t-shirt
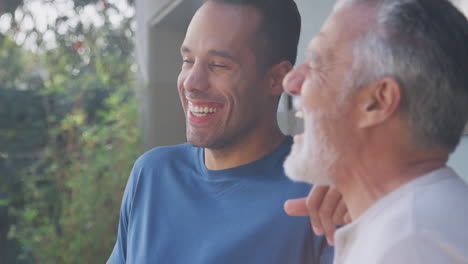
176, 211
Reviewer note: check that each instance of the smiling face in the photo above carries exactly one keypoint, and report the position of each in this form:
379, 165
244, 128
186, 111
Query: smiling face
327, 102
219, 85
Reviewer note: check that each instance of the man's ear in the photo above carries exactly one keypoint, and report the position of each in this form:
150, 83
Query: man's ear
276, 76
378, 101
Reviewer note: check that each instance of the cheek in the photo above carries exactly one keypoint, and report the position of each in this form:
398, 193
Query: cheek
310, 96
180, 83
240, 88
180, 80
234, 88
249, 98
180, 89
319, 99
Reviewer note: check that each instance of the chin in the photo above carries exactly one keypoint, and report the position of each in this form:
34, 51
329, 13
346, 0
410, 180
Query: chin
204, 140
201, 143
197, 141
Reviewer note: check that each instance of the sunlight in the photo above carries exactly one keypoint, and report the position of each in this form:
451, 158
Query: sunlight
40, 14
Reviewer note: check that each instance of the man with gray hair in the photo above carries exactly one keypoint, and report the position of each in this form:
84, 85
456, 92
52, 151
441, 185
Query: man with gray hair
384, 95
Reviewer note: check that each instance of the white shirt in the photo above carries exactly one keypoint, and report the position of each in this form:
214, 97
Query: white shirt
424, 221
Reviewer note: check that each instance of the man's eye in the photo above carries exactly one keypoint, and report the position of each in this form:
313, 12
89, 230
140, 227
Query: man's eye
188, 61
218, 65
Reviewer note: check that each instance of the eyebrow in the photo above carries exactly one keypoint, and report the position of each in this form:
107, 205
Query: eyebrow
221, 53
212, 52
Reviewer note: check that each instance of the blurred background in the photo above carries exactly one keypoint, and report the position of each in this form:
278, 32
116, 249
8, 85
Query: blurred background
86, 86
69, 130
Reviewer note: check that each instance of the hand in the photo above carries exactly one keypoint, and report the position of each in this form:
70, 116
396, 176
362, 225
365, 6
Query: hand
326, 209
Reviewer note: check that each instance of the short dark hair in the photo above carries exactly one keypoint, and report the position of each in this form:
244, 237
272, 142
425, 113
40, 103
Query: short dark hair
278, 30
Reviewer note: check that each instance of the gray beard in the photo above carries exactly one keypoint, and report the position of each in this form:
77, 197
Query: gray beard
313, 161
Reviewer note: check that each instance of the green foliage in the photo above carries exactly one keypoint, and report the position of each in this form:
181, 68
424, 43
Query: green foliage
18, 67
72, 112
72, 208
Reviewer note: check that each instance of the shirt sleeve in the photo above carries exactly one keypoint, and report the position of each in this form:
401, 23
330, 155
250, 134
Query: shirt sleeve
119, 253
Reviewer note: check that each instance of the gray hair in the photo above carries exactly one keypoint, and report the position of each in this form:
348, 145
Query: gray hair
423, 44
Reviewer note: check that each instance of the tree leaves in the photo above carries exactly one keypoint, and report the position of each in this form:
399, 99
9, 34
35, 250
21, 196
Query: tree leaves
77, 99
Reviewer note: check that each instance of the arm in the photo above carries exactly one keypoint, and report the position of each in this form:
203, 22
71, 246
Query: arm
119, 253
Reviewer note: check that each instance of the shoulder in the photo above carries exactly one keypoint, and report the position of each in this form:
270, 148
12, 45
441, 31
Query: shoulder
442, 205
156, 163
438, 204
428, 225
421, 248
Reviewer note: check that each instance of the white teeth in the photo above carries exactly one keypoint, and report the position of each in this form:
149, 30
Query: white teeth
297, 102
300, 114
200, 111
199, 115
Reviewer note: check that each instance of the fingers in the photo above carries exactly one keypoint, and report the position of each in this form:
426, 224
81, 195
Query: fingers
326, 212
340, 213
325, 207
347, 218
296, 207
313, 202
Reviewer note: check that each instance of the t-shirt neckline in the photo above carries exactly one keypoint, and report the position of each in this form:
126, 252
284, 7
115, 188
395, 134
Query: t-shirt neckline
241, 171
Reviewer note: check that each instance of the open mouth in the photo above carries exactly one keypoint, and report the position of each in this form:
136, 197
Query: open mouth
297, 105
299, 114
202, 110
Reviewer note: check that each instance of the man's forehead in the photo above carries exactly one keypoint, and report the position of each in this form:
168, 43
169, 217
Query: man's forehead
354, 19
221, 29
227, 54
232, 14
344, 25
213, 46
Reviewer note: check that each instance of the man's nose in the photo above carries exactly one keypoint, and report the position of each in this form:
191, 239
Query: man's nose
293, 81
197, 78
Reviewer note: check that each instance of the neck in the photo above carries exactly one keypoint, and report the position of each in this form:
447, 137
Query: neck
248, 149
373, 179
